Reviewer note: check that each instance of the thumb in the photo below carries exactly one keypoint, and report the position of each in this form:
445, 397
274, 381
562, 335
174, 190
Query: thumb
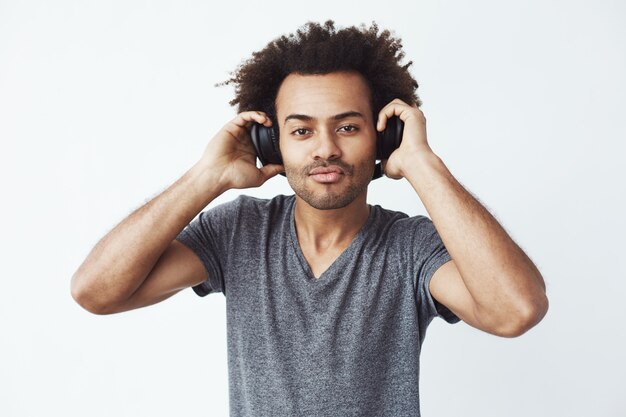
271, 170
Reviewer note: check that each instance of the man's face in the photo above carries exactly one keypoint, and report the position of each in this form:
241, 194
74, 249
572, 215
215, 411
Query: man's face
327, 137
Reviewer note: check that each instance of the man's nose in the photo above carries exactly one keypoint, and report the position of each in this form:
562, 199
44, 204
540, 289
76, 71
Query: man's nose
326, 145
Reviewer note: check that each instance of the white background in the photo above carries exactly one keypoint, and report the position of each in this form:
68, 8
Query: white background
104, 104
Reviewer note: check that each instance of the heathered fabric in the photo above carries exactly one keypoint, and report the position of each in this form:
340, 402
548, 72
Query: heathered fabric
346, 344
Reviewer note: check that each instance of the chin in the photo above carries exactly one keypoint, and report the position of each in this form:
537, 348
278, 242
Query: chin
330, 196
327, 202
322, 197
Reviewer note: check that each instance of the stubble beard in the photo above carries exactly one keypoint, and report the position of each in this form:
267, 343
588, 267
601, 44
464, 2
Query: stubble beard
357, 178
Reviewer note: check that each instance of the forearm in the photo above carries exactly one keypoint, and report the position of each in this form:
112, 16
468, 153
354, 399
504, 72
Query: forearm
123, 258
498, 274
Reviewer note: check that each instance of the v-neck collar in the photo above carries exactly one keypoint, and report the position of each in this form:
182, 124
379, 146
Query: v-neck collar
339, 261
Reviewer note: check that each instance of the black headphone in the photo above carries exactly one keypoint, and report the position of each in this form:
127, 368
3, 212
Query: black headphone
265, 141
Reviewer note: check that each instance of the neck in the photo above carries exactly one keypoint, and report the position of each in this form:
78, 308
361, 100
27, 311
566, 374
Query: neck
321, 230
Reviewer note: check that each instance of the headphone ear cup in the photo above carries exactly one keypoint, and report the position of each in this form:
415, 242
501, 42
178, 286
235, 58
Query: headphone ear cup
389, 139
265, 142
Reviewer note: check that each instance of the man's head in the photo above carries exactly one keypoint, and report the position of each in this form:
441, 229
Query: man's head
328, 139
305, 81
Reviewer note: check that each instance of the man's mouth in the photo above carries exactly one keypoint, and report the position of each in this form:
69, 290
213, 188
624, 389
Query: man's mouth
329, 174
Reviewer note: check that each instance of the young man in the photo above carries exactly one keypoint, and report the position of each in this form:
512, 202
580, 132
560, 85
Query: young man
328, 298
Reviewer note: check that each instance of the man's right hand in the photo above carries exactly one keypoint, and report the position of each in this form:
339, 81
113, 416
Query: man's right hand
229, 159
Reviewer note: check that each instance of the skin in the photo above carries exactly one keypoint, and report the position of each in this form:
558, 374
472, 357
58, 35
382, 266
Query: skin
490, 284
329, 212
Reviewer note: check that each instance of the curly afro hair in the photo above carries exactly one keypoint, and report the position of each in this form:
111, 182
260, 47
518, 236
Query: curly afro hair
317, 49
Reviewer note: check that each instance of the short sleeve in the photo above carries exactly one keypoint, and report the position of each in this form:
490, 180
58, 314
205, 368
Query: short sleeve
431, 254
207, 236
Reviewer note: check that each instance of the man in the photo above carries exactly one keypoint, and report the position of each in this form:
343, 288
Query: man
328, 298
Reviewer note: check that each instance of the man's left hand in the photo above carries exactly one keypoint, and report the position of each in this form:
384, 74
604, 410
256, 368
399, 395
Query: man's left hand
414, 143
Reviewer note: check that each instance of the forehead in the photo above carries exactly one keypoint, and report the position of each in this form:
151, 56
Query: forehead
323, 96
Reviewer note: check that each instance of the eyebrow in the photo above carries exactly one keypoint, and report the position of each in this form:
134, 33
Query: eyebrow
339, 116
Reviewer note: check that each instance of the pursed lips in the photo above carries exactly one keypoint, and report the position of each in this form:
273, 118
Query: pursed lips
326, 170
327, 175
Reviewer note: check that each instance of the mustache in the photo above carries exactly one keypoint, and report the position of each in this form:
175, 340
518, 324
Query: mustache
347, 168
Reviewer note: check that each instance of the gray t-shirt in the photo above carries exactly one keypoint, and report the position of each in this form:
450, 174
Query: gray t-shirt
346, 344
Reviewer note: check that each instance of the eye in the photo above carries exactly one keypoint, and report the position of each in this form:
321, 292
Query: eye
349, 128
300, 132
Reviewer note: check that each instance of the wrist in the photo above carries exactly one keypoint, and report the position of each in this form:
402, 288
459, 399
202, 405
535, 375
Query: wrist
206, 181
410, 159
418, 166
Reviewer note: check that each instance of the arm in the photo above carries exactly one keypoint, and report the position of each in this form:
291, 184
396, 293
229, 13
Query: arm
139, 263
491, 284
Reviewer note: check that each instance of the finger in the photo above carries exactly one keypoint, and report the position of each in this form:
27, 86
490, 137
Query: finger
259, 117
397, 100
390, 110
241, 124
245, 119
403, 111
393, 108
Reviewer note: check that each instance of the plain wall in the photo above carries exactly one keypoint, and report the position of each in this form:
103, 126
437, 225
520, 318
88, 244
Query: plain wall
105, 104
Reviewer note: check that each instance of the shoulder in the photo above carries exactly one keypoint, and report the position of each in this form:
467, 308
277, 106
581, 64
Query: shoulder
249, 212
398, 221
248, 203
251, 207
401, 233
243, 216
